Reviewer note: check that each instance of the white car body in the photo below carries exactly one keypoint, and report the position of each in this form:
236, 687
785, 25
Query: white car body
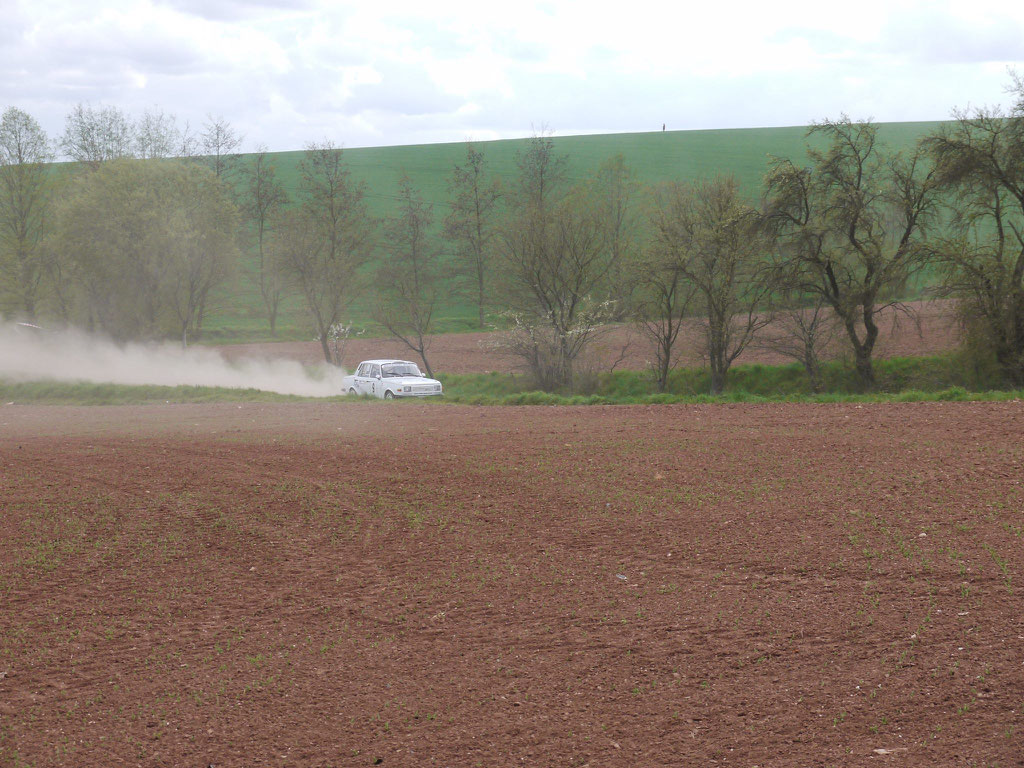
389, 379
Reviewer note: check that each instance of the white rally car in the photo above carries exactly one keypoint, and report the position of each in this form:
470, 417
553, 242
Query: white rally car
389, 379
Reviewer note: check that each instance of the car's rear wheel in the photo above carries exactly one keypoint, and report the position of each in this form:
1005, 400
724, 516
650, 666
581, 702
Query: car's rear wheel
389, 395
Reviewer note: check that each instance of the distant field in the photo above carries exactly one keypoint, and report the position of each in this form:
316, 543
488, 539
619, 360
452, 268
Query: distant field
655, 157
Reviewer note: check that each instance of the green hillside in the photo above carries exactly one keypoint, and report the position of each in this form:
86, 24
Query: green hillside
654, 157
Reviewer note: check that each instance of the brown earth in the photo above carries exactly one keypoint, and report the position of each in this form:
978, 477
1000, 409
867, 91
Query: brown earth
929, 328
413, 585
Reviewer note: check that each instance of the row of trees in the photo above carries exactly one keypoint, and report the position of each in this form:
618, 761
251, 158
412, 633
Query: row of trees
112, 243
136, 247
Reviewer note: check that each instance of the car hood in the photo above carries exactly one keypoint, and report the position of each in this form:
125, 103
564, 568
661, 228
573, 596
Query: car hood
403, 381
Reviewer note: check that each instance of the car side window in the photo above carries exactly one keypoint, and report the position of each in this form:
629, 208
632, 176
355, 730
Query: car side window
361, 370
374, 371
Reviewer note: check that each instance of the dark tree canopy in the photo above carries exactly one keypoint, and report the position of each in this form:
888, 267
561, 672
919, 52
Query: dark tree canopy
979, 158
852, 225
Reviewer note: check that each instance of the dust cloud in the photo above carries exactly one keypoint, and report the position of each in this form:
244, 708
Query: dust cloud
30, 354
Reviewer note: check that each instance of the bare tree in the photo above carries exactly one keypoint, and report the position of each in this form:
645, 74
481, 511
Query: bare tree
219, 142
665, 296
980, 161
24, 199
325, 239
854, 223
802, 329
93, 135
156, 135
263, 199
471, 224
188, 143
407, 281
715, 241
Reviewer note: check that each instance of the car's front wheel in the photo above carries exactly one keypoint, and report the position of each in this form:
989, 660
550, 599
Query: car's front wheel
351, 391
389, 395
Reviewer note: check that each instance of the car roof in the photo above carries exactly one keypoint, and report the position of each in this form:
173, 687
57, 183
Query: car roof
387, 360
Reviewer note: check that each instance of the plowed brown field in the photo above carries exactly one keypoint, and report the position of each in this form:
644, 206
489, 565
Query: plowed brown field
416, 585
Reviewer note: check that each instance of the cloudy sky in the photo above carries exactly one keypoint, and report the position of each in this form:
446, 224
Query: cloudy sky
384, 73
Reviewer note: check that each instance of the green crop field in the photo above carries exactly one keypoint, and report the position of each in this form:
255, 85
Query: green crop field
654, 157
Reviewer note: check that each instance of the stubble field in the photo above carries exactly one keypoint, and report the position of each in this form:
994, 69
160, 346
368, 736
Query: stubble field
412, 585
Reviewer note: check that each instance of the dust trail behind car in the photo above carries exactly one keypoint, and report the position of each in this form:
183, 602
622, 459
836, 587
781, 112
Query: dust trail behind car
29, 353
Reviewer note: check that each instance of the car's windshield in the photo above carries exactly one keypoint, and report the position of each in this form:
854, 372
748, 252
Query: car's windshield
400, 369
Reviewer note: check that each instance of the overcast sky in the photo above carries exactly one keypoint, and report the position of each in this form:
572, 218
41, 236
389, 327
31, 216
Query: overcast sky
384, 73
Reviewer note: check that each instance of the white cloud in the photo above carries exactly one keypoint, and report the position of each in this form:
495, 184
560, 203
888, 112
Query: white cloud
286, 72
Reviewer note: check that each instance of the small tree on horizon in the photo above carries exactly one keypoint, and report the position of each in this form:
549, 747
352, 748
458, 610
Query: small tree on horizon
219, 143
94, 135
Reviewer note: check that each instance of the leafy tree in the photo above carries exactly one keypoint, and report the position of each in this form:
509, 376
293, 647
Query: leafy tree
93, 135
980, 162
854, 225
554, 247
715, 241
147, 242
325, 239
263, 198
471, 224
24, 198
408, 281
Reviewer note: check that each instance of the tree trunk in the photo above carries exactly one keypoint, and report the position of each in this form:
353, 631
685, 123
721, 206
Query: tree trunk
480, 292
864, 367
565, 362
813, 369
326, 348
717, 352
1010, 362
717, 380
664, 361
862, 350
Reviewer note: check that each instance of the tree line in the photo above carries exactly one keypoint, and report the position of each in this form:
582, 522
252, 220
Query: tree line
135, 235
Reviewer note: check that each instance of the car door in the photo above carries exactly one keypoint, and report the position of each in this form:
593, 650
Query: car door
362, 379
374, 381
